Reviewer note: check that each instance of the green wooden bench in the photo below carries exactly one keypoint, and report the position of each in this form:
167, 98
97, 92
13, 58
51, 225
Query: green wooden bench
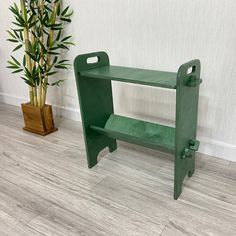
102, 127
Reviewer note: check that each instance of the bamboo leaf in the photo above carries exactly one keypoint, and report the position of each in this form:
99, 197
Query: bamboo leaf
65, 19
51, 73
13, 40
18, 47
12, 63
14, 59
11, 34
66, 38
65, 11
57, 83
70, 14
61, 67
17, 71
13, 67
24, 61
69, 43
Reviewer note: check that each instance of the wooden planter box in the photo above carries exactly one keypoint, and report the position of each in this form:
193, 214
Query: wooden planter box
38, 120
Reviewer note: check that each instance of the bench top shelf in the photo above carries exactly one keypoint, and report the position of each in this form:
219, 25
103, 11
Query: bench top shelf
133, 75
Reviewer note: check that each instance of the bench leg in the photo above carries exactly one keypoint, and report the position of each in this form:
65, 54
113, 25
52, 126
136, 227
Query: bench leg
96, 105
183, 167
113, 146
95, 144
187, 95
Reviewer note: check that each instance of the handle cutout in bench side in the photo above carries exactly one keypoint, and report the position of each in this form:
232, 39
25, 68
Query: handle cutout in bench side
93, 60
90, 61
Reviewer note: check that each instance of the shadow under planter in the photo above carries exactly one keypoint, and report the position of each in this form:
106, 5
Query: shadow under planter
38, 120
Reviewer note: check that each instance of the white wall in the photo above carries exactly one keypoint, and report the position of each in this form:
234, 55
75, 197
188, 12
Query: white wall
155, 34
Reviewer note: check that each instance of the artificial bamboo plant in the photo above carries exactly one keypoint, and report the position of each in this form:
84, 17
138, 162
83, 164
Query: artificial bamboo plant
38, 28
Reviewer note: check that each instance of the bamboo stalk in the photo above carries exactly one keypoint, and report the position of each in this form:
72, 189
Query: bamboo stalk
40, 103
32, 35
51, 36
26, 37
35, 94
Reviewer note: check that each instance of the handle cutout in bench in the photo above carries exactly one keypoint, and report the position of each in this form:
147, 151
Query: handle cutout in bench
93, 60
191, 70
89, 61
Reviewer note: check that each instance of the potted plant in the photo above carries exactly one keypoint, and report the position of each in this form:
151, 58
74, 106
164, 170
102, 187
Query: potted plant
38, 29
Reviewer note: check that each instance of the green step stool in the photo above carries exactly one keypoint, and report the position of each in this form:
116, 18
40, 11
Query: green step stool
102, 127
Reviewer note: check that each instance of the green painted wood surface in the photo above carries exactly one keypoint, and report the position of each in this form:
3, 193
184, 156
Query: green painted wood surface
186, 121
96, 105
102, 127
139, 132
133, 75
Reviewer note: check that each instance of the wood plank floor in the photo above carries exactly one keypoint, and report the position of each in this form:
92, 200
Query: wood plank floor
47, 189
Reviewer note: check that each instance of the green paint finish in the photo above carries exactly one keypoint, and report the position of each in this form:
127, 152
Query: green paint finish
132, 75
96, 106
102, 128
139, 132
186, 121
194, 145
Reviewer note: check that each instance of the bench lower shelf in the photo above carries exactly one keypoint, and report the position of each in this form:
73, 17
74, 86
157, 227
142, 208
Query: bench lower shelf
139, 132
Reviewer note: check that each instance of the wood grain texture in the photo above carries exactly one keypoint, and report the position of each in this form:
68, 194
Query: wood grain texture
10, 226
38, 120
47, 189
19, 203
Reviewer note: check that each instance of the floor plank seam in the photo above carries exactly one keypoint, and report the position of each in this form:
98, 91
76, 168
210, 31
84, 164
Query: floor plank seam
95, 185
26, 223
53, 204
33, 193
18, 222
164, 227
127, 207
59, 178
76, 214
35, 231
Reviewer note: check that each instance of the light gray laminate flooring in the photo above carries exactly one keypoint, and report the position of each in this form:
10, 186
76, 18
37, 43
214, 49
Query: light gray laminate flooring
47, 189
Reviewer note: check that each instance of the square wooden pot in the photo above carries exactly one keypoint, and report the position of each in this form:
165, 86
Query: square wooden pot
38, 120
